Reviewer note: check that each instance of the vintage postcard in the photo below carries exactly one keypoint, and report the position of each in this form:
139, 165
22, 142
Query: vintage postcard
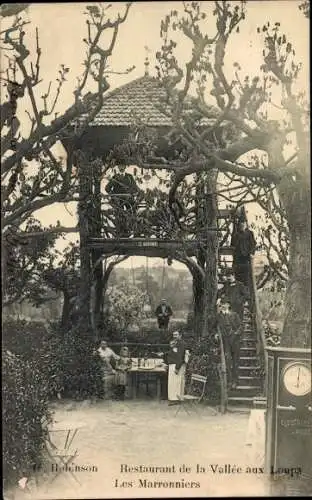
156, 256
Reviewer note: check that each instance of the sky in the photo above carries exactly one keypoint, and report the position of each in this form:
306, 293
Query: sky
62, 29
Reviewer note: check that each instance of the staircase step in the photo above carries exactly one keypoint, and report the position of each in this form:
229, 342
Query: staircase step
245, 391
247, 387
248, 378
254, 362
238, 409
246, 401
249, 367
245, 351
248, 342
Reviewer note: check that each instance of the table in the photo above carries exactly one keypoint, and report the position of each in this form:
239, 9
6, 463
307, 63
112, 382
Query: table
159, 371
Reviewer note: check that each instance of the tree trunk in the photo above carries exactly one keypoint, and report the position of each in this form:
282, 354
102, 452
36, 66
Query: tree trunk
295, 196
211, 255
96, 229
98, 293
84, 214
65, 310
198, 303
4, 259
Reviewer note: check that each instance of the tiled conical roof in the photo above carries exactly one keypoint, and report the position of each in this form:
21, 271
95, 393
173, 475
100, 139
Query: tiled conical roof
140, 100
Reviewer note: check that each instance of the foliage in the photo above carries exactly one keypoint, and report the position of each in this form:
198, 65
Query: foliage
76, 366
65, 359
244, 100
305, 7
271, 301
272, 334
63, 276
159, 282
125, 306
33, 177
272, 233
204, 360
25, 406
27, 262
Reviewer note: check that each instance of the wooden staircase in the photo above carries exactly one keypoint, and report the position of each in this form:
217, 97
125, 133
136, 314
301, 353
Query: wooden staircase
249, 375
249, 381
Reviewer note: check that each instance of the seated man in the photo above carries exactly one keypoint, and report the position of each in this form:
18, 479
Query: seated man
163, 313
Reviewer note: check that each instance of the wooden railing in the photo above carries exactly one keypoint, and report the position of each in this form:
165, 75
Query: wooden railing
141, 350
257, 321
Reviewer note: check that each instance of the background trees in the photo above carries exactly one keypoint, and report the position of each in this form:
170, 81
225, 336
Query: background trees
33, 175
246, 102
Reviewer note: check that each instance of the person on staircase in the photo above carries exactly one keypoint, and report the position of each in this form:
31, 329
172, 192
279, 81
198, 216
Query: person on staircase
163, 313
229, 325
236, 293
244, 244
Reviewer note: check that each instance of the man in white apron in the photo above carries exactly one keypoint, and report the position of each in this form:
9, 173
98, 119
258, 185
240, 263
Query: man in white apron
176, 360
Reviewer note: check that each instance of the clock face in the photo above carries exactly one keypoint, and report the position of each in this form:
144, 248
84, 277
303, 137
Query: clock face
297, 378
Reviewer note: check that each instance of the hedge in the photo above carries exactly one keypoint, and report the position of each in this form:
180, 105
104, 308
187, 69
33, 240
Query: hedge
25, 405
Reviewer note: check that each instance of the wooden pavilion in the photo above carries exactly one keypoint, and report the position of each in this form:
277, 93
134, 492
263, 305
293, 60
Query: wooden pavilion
141, 102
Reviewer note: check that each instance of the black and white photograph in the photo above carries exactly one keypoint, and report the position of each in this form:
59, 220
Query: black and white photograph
156, 249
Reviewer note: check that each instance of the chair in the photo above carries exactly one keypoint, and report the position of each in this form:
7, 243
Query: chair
60, 451
191, 401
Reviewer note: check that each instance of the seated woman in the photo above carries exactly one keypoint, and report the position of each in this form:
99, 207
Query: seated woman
122, 366
109, 359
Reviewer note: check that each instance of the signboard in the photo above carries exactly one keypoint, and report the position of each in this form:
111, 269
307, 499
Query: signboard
289, 414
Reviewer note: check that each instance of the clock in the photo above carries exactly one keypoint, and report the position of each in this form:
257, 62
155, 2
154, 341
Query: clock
296, 377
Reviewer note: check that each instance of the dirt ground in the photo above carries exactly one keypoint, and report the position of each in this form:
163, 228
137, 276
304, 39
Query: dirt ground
134, 433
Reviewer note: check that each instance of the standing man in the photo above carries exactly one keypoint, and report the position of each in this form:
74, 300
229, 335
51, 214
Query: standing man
163, 313
244, 244
176, 360
229, 325
236, 294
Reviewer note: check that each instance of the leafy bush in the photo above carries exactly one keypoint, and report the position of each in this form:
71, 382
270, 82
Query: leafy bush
125, 306
271, 302
38, 364
204, 360
65, 360
76, 367
24, 408
272, 334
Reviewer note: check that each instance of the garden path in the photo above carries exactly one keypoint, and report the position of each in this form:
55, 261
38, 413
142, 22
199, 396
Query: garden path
149, 433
